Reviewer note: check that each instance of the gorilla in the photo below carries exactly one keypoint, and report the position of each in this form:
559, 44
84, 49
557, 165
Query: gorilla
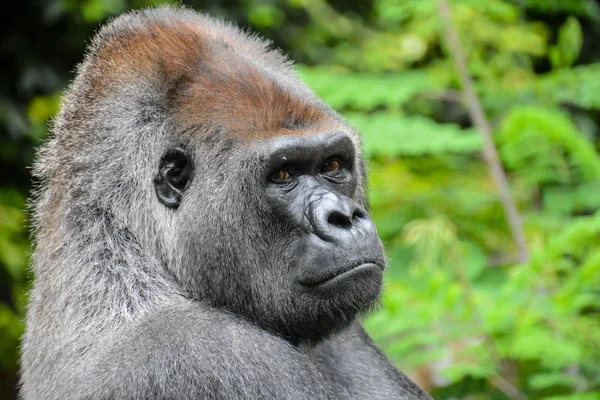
201, 228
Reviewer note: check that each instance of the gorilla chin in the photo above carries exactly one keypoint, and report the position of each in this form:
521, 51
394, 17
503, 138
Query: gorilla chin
331, 305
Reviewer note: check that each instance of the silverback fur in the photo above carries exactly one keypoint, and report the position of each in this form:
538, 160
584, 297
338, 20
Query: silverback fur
133, 300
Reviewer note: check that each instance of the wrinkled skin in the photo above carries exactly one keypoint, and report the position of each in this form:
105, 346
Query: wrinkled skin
202, 229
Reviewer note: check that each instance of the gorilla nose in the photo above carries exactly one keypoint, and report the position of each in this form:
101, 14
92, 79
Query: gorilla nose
343, 217
340, 219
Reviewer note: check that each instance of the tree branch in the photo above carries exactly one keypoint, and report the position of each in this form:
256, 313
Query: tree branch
479, 120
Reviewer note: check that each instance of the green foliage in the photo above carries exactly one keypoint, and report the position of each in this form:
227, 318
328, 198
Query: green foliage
388, 134
572, 199
587, 8
11, 329
579, 86
14, 249
543, 146
570, 41
368, 91
94, 10
265, 16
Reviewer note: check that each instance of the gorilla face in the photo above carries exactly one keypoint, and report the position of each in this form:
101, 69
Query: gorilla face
274, 231
310, 183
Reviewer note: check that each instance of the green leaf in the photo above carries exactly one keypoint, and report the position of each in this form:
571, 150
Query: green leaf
342, 89
97, 10
579, 86
577, 396
567, 200
543, 146
41, 108
264, 16
570, 42
393, 134
538, 344
586, 8
548, 380
11, 329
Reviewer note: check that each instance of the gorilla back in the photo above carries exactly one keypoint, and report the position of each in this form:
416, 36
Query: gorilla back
201, 228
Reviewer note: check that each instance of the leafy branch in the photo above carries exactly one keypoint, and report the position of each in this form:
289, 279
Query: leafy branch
479, 120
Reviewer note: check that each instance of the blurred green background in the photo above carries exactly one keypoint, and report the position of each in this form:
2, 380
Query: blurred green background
463, 313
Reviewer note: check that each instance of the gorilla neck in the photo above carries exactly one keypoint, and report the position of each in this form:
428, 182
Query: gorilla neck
99, 276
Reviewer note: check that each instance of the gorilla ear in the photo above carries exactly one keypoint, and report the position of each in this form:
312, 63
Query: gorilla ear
174, 173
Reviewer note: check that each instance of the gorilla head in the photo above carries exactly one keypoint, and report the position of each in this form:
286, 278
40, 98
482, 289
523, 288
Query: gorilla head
204, 144
265, 185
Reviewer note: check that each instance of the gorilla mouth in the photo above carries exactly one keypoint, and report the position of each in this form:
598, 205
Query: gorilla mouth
354, 271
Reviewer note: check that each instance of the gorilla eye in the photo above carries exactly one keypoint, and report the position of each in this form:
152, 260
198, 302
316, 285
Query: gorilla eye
280, 176
283, 174
332, 165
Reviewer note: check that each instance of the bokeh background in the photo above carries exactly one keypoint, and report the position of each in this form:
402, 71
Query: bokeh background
471, 310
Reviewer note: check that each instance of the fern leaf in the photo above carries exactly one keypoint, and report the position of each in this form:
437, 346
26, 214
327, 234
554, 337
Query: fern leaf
342, 89
391, 135
543, 146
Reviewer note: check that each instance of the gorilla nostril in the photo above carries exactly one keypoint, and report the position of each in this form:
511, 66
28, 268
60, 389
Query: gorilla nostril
358, 214
340, 220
